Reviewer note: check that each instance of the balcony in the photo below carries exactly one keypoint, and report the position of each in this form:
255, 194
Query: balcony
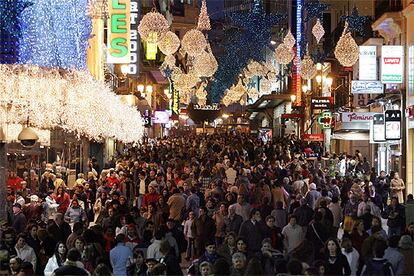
384, 6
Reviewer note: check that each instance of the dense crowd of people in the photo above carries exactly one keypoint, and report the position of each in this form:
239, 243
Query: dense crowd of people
226, 204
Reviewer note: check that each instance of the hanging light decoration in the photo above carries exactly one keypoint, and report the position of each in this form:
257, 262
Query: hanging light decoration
98, 8
205, 65
169, 44
194, 42
265, 86
203, 18
318, 31
28, 90
307, 67
284, 54
346, 50
289, 40
153, 26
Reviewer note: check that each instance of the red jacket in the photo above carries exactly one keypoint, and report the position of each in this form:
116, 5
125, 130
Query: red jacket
14, 183
63, 201
150, 197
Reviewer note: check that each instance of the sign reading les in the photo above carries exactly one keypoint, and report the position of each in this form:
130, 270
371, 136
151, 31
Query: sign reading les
119, 29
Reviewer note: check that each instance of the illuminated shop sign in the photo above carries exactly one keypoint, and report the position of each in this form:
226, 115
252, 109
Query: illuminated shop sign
119, 30
368, 62
392, 64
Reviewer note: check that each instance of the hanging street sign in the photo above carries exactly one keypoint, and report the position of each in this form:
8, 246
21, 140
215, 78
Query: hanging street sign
367, 87
393, 124
378, 128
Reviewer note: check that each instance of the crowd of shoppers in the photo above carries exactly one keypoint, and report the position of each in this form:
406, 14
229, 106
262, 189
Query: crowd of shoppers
226, 204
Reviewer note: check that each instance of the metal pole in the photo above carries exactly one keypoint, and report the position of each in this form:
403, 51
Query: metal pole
3, 181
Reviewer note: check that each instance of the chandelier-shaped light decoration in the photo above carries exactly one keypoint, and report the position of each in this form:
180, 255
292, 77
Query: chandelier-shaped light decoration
201, 94
205, 65
307, 67
346, 50
194, 42
203, 18
169, 44
256, 69
284, 54
289, 40
265, 86
318, 31
153, 26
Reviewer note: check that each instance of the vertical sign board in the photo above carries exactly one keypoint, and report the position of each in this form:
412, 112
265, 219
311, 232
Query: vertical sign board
392, 64
393, 124
119, 30
368, 62
134, 39
298, 52
378, 130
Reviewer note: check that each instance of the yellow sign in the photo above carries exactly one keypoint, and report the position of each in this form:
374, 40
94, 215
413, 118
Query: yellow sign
151, 51
119, 30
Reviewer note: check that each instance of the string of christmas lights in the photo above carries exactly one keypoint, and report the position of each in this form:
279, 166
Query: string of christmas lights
28, 91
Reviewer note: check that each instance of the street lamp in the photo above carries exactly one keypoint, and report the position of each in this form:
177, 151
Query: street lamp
293, 98
124, 69
225, 116
141, 88
305, 88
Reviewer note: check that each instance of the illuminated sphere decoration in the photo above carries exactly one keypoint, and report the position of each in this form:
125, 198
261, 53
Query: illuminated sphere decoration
205, 65
346, 50
153, 26
318, 31
289, 40
284, 54
169, 44
307, 67
194, 42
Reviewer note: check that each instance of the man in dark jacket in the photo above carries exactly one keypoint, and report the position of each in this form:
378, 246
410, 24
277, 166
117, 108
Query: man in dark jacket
233, 221
70, 267
203, 229
19, 219
252, 230
304, 213
59, 229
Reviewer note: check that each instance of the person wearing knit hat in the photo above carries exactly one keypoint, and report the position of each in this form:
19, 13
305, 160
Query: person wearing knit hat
312, 186
406, 248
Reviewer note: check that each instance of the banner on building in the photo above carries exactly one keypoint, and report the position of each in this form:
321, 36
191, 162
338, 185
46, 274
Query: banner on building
392, 64
367, 87
368, 63
393, 124
119, 31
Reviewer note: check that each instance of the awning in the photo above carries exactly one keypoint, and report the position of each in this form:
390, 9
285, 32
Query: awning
159, 78
351, 135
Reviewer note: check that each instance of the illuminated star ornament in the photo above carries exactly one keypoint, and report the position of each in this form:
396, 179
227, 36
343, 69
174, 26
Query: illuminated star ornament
357, 23
314, 9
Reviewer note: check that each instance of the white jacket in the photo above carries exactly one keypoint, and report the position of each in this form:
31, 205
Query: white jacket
51, 265
27, 254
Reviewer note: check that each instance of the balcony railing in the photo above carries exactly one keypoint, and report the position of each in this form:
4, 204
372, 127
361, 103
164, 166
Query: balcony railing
383, 6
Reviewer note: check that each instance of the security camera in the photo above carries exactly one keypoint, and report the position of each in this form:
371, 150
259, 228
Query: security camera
28, 137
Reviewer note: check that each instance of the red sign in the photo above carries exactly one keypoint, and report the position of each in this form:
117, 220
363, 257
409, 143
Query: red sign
313, 137
392, 60
291, 116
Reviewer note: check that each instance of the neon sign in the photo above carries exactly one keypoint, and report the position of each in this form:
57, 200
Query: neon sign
325, 120
119, 30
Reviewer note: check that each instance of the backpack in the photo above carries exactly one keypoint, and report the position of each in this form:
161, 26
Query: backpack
377, 268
